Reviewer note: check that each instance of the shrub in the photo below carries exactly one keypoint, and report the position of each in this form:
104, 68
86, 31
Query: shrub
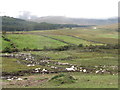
9, 50
26, 49
63, 79
80, 45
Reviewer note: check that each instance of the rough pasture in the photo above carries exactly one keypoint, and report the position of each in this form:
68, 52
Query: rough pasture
92, 68
98, 35
83, 81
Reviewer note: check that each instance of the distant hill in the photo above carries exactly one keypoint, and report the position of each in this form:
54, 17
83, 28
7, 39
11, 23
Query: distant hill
79, 21
109, 27
15, 24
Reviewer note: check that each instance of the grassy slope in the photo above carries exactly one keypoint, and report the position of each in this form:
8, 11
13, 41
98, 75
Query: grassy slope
4, 44
34, 41
72, 40
39, 42
102, 35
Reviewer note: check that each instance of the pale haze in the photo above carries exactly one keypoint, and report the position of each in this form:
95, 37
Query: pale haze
68, 8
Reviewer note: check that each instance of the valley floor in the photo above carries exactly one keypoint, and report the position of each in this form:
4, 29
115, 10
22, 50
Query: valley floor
32, 59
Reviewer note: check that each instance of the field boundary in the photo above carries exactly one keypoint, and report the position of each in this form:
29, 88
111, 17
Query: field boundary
88, 40
59, 40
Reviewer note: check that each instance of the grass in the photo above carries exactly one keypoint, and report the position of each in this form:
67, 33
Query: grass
73, 40
34, 41
101, 35
77, 57
4, 44
81, 58
83, 81
11, 65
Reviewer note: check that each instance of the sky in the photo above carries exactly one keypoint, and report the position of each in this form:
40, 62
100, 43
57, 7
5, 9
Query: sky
68, 8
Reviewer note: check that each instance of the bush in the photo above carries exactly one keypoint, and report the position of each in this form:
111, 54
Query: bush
6, 50
26, 49
80, 45
9, 50
63, 79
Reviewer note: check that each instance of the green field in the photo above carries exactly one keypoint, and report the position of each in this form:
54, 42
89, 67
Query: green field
101, 35
34, 41
92, 59
73, 40
4, 44
81, 58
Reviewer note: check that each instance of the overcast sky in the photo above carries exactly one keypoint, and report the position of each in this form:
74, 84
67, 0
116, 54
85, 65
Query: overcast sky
68, 8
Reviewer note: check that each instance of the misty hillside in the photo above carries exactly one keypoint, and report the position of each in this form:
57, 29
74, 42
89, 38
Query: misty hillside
15, 24
80, 21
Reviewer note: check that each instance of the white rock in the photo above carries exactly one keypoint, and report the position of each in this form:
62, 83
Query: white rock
19, 79
44, 70
84, 70
9, 79
72, 66
80, 70
30, 65
70, 69
97, 71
